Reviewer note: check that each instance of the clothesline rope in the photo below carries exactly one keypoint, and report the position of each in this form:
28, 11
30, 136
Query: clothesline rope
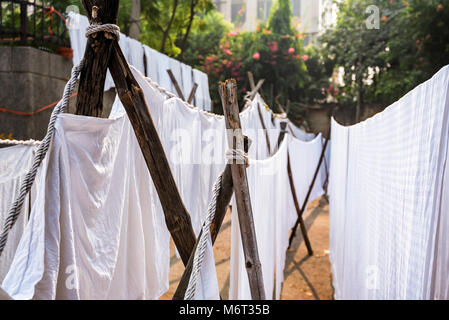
30, 142
201, 248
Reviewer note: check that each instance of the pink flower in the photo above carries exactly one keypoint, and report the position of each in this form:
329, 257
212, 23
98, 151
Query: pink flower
440, 7
228, 52
291, 50
305, 57
256, 56
273, 46
405, 3
273, 63
267, 31
232, 34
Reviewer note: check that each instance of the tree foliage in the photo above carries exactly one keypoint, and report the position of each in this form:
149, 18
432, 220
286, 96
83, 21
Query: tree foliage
381, 65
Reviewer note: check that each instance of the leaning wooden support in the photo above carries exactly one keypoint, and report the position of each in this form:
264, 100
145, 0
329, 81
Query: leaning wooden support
298, 209
192, 93
282, 133
176, 84
223, 199
176, 216
306, 200
96, 57
131, 95
228, 93
264, 127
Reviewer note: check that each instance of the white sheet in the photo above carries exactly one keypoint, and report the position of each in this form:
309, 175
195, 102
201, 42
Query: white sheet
136, 54
387, 213
14, 165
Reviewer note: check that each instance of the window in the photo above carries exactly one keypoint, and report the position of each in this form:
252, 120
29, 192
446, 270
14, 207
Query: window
263, 9
296, 8
238, 11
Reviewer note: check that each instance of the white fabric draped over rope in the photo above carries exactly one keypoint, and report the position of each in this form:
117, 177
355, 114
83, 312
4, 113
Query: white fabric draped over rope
388, 199
156, 63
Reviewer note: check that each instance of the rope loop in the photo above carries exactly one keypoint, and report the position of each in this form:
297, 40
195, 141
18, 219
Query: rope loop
240, 156
111, 31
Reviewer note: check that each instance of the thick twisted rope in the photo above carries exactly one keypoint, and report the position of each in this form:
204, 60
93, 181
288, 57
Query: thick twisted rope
30, 142
25, 187
112, 31
205, 234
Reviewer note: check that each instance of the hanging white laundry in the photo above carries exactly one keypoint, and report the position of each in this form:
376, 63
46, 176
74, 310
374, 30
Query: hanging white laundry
194, 149
187, 83
151, 57
77, 25
386, 210
136, 54
15, 162
96, 230
304, 160
163, 66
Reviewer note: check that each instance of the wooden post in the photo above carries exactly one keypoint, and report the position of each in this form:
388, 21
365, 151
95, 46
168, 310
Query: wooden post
101, 53
257, 88
228, 93
267, 138
131, 95
96, 58
4, 295
175, 83
306, 200
223, 199
192, 92
298, 210
252, 84
283, 125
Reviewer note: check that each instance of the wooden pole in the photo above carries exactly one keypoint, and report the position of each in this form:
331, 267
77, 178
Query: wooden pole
267, 138
175, 83
306, 200
252, 84
192, 93
283, 125
131, 95
223, 199
96, 58
298, 210
228, 93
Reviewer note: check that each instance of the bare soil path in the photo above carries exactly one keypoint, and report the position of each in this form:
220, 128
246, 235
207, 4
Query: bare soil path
305, 278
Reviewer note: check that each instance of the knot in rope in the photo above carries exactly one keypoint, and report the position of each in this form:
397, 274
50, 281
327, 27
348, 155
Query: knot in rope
111, 31
240, 156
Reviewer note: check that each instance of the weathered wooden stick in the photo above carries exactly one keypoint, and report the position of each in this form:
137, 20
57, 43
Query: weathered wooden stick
228, 93
267, 138
175, 83
257, 88
223, 199
192, 92
4, 295
283, 125
252, 84
298, 209
131, 95
96, 58
306, 200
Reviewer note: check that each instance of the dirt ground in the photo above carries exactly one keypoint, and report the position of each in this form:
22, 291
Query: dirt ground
305, 278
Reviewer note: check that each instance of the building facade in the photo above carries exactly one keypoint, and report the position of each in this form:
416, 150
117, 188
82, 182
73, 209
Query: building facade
311, 16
